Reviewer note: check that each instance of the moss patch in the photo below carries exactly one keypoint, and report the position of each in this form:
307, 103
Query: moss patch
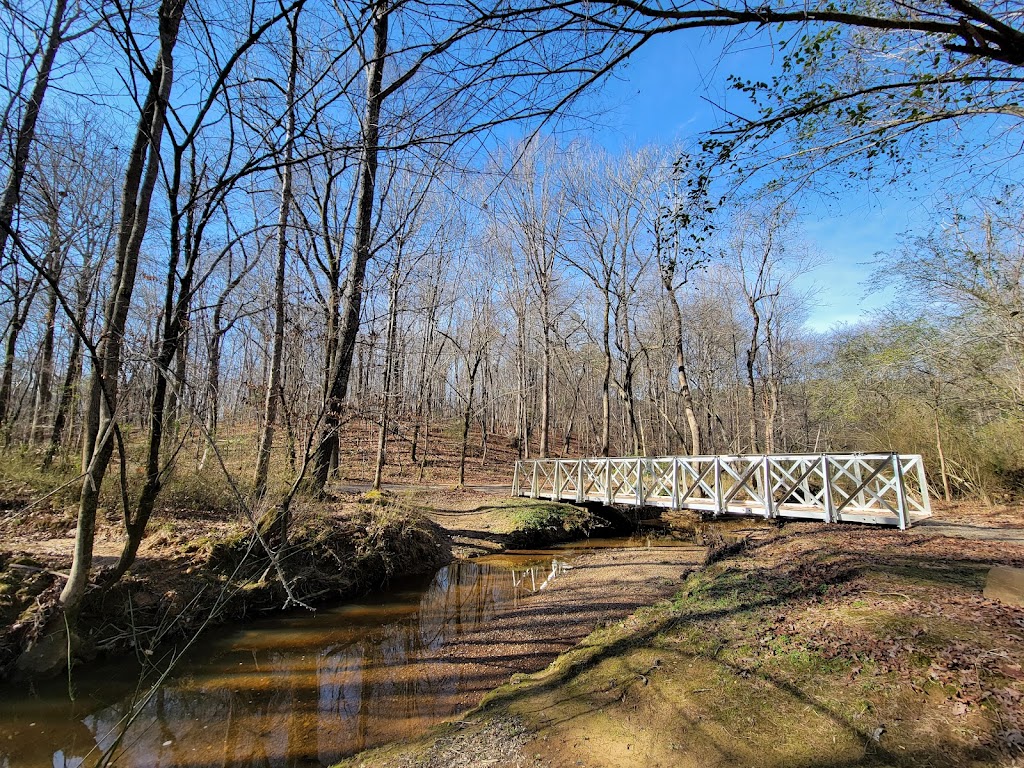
537, 520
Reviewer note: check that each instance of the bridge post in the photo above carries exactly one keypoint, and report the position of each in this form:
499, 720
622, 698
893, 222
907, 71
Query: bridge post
769, 499
608, 480
719, 502
640, 482
556, 482
859, 478
901, 492
830, 507
535, 483
515, 479
580, 496
922, 482
675, 483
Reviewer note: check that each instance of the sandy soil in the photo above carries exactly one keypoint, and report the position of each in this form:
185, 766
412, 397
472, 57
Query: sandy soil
599, 589
901, 596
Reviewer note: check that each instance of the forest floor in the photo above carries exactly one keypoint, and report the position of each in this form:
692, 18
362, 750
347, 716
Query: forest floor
812, 646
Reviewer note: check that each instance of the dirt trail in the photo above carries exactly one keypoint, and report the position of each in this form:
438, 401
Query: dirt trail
975, 521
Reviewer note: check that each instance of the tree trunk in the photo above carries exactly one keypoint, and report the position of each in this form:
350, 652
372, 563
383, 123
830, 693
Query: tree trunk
751, 388
141, 175
428, 338
44, 386
352, 300
545, 403
274, 379
606, 378
467, 415
684, 380
74, 370
27, 129
947, 495
213, 351
19, 316
389, 365
170, 345
522, 415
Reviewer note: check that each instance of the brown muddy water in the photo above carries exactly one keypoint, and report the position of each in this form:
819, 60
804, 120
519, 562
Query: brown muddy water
300, 689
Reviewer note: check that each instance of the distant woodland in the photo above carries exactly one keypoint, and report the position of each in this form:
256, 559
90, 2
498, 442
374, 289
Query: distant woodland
243, 229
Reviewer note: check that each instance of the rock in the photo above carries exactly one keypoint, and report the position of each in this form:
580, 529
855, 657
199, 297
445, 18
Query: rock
1005, 585
48, 654
144, 599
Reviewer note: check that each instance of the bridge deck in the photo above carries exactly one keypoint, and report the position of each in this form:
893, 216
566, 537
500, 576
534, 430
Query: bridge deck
881, 489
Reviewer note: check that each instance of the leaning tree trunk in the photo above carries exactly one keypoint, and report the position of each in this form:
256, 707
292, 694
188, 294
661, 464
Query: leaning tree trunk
141, 175
27, 129
12, 191
170, 345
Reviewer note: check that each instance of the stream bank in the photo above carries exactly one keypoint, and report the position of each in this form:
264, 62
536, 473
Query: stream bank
198, 568
306, 689
813, 646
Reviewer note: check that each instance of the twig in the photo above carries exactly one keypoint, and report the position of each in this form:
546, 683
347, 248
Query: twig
37, 569
67, 631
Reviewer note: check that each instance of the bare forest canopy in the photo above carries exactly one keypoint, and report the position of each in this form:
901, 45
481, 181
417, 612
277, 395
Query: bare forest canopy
258, 224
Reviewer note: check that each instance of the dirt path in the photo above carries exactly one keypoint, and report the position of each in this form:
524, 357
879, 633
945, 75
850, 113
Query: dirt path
975, 521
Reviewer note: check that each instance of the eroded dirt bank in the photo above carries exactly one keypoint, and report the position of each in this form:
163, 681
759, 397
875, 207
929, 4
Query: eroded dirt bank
816, 646
198, 564
194, 571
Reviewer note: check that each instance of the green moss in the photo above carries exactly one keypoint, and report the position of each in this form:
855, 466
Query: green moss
540, 516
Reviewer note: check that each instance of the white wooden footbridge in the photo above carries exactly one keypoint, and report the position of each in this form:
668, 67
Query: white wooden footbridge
878, 488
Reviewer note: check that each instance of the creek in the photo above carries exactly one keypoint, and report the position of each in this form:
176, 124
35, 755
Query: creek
298, 689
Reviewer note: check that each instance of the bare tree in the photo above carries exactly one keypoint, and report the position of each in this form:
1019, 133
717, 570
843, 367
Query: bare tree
274, 379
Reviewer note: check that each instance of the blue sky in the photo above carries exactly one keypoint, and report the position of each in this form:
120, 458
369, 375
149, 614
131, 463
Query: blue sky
666, 94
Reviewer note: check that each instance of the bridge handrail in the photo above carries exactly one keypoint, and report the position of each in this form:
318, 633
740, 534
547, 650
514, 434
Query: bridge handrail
833, 485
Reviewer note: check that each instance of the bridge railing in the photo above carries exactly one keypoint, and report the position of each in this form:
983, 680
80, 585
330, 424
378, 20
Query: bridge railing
883, 488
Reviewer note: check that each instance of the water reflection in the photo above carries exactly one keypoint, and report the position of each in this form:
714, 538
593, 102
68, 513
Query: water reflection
641, 541
296, 690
